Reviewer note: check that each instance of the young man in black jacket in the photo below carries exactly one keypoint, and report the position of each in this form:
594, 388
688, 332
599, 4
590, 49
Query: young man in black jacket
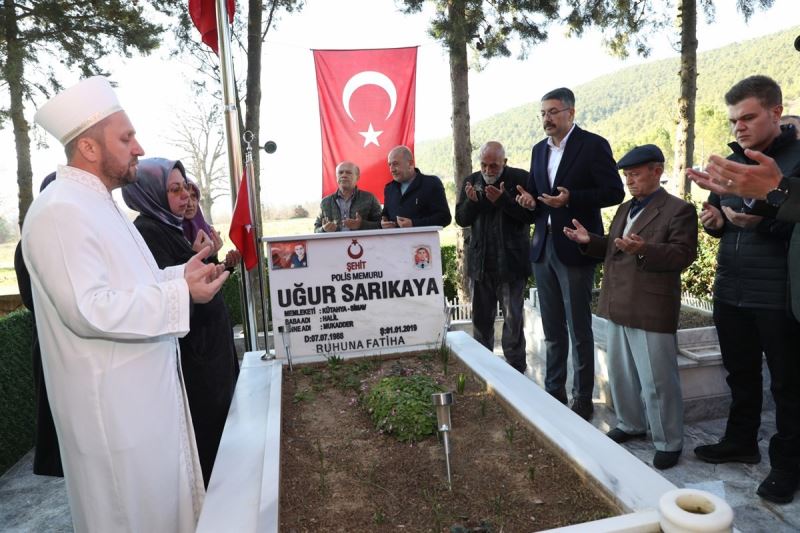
750, 296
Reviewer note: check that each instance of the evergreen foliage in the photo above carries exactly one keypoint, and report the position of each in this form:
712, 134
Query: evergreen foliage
637, 105
17, 403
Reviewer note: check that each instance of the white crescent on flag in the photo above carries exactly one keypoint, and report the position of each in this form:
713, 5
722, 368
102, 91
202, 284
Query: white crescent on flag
369, 77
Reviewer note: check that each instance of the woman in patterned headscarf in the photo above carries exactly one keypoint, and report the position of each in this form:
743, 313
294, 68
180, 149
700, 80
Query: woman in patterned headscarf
208, 357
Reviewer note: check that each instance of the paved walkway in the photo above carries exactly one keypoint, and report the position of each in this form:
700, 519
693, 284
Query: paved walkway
31, 503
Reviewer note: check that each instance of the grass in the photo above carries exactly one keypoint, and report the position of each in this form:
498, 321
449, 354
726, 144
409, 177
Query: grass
8, 278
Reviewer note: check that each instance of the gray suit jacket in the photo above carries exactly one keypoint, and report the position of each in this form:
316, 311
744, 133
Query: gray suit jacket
644, 291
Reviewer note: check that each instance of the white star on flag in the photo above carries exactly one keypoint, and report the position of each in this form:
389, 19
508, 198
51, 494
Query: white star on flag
370, 136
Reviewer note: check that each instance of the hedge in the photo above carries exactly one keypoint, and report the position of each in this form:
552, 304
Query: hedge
17, 398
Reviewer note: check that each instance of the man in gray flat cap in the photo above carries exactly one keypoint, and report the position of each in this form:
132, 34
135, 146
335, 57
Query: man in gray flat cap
652, 238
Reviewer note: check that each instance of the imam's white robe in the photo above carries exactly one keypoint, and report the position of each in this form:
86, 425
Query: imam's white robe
108, 321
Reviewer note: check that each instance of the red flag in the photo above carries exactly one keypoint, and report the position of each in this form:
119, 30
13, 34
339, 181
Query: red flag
366, 108
242, 233
204, 16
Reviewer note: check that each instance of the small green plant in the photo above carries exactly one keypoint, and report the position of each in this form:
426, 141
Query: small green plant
531, 473
444, 357
461, 382
323, 483
498, 504
302, 396
401, 406
510, 430
334, 360
378, 516
483, 406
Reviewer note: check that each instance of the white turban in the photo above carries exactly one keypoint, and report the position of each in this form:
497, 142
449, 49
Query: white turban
78, 108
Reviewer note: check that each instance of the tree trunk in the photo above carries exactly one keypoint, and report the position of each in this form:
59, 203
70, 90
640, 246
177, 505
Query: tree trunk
462, 145
252, 123
206, 201
14, 73
687, 14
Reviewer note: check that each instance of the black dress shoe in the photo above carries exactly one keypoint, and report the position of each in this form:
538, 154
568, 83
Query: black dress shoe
583, 408
779, 486
664, 460
619, 436
726, 451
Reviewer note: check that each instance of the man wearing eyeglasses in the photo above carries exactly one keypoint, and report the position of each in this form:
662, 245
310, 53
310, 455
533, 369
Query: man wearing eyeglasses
573, 174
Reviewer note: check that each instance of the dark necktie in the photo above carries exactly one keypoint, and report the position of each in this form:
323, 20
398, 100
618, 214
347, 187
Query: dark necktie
636, 206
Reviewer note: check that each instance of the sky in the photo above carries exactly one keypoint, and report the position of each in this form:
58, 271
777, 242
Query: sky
154, 89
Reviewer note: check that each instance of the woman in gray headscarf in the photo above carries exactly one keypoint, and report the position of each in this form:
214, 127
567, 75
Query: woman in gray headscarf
208, 357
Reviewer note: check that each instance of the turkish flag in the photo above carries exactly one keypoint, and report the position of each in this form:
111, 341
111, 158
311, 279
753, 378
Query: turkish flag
204, 16
242, 233
366, 108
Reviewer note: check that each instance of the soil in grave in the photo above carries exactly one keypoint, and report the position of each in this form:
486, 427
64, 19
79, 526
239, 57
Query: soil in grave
338, 473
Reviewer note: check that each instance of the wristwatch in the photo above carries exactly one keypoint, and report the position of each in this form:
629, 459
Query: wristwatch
779, 194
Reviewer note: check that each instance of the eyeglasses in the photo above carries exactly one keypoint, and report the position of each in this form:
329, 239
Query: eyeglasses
552, 112
177, 188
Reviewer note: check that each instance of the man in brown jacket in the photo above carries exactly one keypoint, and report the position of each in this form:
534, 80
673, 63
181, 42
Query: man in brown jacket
652, 238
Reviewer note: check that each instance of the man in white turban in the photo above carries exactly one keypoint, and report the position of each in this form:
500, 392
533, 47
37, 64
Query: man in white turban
108, 321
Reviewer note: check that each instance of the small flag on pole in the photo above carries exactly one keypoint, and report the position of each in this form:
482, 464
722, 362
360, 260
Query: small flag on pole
242, 232
204, 16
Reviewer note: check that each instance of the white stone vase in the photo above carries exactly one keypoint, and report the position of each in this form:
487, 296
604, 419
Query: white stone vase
694, 511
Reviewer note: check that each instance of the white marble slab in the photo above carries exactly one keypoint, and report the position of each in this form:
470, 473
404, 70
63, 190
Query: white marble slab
243, 495
625, 478
243, 492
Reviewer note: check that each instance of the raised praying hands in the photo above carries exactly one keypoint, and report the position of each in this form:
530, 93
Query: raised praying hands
723, 176
203, 280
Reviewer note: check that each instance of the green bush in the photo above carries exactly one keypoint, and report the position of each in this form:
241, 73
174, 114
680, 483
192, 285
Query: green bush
233, 297
402, 406
698, 279
17, 403
449, 271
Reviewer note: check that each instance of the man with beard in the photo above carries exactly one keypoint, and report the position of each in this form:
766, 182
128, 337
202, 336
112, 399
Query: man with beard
349, 208
497, 254
573, 175
108, 321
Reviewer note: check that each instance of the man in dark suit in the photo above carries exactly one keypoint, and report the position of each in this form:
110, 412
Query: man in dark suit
573, 175
652, 238
412, 198
498, 250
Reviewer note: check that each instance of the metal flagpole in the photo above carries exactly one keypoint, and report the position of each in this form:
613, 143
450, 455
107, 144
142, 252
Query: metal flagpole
234, 155
251, 186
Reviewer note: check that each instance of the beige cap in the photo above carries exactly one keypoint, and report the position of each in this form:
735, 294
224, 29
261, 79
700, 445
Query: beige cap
78, 108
